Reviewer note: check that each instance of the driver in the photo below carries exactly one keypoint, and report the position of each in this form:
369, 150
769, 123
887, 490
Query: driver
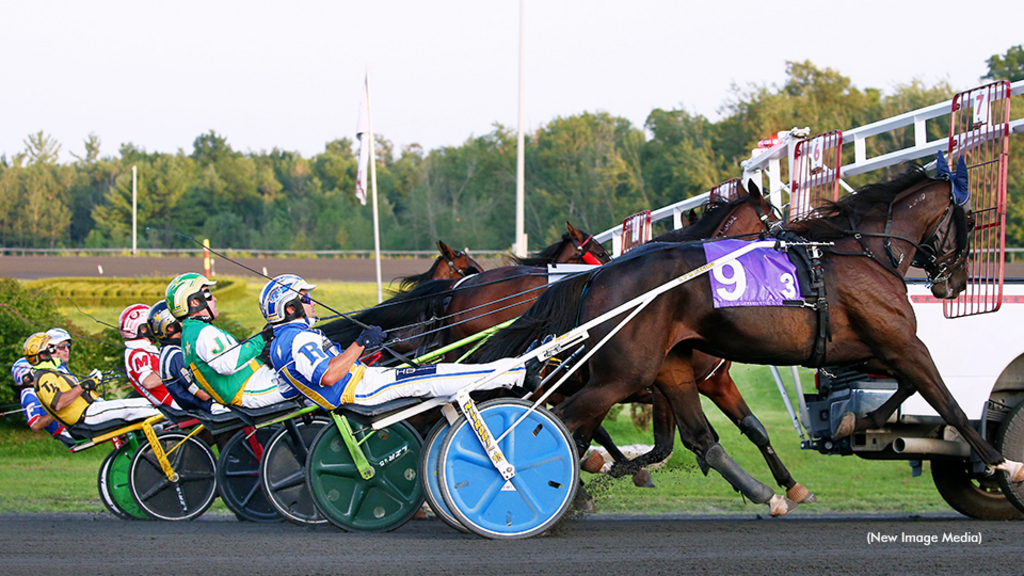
71, 402
328, 376
35, 415
229, 371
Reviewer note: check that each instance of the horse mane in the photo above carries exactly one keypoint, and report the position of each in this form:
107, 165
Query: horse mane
552, 313
413, 280
710, 220
833, 219
544, 257
422, 303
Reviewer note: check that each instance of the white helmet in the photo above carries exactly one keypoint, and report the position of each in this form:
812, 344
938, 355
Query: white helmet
58, 335
280, 292
132, 322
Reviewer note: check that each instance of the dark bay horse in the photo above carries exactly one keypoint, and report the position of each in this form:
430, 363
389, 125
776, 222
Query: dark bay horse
495, 296
875, 235
746, 215
450, 265
418, 317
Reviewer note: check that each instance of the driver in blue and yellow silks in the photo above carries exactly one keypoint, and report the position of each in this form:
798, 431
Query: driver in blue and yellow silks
330, 376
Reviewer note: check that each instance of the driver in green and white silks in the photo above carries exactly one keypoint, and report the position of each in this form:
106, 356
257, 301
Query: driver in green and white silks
231, 373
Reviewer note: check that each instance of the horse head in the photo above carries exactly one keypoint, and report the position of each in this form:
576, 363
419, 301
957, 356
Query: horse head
454, 264
752, 212
581, 247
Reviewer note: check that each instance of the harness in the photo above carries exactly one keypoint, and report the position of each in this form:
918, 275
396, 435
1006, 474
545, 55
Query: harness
807, 258
583, 252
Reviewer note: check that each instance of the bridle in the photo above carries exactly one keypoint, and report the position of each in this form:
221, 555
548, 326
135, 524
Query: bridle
453, 267
938, 266
584, 253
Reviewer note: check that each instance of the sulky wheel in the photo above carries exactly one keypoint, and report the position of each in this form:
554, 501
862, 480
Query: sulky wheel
114, 485
283, 471
103, 484
192, 491
1010, 442
547, 472
429, 474
970, 494
238, 475
385, 501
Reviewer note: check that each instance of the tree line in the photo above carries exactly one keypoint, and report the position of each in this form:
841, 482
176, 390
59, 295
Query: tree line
591, 168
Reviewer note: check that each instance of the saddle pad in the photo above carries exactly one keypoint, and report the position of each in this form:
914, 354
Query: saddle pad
558, 271
762, 277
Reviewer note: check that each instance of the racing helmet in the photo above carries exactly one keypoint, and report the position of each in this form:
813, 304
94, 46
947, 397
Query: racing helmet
58, 335
162, 323
21, 371
132, 322
37, 348
280, 292
183, 289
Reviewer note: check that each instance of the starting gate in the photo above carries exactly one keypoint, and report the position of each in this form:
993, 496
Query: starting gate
636, 230
979, 133
815, 176
726, 191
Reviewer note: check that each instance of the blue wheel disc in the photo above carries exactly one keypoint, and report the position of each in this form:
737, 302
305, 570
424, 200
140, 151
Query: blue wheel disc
429, 474
546, 479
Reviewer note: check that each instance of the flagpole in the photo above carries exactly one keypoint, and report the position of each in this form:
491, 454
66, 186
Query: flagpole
373, 188
519, 248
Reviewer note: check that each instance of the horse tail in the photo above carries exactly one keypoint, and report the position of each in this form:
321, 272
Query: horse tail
555, 312
421, 304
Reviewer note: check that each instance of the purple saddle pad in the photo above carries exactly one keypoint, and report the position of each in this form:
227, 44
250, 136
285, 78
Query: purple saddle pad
762, 277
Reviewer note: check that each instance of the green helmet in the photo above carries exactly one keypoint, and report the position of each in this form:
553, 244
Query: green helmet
184, 288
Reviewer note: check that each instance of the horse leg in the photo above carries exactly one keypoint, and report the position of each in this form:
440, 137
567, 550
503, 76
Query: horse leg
913, 364
721, 389
850, 423
697, 436
663, 424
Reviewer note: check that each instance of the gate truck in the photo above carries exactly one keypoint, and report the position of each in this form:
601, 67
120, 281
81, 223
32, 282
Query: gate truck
977, 340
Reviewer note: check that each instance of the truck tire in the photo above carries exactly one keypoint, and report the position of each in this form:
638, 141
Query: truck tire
1010, 443
969, 495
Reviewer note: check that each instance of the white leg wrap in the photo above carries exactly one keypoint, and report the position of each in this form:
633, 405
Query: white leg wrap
780, 505
1015, 470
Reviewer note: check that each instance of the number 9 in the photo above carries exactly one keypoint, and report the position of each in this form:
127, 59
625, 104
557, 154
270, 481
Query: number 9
738, 279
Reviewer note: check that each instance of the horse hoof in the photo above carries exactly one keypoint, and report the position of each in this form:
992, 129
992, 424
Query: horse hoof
846, 426
1015, 470
801, 495
780, 505
594, 462
584, 504
642, 479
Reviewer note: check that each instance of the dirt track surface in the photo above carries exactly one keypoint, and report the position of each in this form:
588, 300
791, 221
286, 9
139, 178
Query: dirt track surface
341, 269
216, 544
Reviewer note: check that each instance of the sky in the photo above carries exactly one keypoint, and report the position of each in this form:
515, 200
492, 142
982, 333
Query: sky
290, 74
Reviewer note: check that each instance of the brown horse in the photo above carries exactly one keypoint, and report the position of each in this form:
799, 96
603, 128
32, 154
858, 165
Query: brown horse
872, 238
450, 265
439, 311
501, 294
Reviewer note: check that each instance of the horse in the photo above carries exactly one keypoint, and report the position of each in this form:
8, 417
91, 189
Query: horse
495, 296
746, 215
451, 264
418, 318
866, 242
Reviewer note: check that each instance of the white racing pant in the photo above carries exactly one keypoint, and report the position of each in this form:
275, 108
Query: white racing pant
129, 409
380, 385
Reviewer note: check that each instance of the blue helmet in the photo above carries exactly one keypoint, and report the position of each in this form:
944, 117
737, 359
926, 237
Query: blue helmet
280, 292
20, 371
162, 323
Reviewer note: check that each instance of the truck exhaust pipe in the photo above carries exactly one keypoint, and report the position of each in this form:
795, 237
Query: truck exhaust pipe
959, 449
